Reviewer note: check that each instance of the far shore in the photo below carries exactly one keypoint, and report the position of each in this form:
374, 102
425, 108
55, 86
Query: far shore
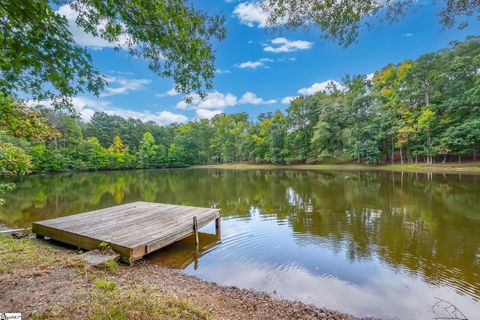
451, 168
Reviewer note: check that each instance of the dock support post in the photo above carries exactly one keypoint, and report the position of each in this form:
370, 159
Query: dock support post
217, 227
195, 230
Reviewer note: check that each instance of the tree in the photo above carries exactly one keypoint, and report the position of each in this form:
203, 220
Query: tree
227, 141
420, 109
302, 117
119, 156
341, 20
176, 157
70, 131
278, 151
460, 140
95, 156
105, 127
40, 58
14, 160
19, 121
148, 153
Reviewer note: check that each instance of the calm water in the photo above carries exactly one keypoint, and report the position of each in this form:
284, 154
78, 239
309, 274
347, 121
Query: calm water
367, 243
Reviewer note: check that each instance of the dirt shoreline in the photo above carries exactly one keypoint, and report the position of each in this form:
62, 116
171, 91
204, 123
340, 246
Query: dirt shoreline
34, 290
467, 168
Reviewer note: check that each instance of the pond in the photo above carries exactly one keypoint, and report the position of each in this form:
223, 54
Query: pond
368, 243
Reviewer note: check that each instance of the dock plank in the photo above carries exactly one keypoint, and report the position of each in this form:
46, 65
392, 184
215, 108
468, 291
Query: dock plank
133, 230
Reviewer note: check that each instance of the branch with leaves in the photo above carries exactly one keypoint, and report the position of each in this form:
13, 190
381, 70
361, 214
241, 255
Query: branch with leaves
40, 60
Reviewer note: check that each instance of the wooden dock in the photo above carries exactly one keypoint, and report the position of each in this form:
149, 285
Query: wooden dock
133, 230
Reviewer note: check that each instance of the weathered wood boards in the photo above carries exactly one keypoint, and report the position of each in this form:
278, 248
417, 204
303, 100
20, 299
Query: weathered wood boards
133, 229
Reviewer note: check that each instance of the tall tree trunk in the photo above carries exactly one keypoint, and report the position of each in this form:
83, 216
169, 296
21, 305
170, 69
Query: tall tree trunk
401, 156
459, 159
393, 152
444, 158
474, 154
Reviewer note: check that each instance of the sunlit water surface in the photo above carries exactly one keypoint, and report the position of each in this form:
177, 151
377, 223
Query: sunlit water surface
367, 243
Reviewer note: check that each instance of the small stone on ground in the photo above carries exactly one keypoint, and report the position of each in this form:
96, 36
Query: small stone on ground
97, 257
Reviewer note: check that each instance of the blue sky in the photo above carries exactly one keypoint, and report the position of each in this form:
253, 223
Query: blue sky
258, 69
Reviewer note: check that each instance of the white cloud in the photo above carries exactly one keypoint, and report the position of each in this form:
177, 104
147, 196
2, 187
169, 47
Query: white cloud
254, 64
325, 86
124, 73
251, 98
250, 65
220, 71
370, 76
218, 101
170, 93
83, 38
408, 34
214, 100
162, 117
207, 114
287, 99
284, 45
87, 114
251, 14
287, 59
86, 107
124, 85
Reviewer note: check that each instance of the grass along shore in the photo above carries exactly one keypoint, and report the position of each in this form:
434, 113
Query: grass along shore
466, 168
43, 281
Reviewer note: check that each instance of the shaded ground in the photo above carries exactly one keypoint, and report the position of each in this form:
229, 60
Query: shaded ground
43, 282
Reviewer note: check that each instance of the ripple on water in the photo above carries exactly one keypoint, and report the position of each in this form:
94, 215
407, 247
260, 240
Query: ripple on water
368, 243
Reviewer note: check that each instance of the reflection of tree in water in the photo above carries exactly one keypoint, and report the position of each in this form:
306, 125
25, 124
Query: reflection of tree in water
422, 223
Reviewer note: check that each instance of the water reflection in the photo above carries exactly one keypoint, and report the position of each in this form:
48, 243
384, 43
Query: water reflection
183, 253
395, 239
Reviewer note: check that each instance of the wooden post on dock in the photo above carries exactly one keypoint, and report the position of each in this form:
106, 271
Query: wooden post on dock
217, 227
195, 230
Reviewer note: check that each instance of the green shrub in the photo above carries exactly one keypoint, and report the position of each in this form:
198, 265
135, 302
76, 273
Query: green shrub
105, 285
111, 266
13, 160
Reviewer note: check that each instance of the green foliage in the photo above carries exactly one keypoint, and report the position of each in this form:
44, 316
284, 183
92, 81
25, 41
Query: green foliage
341, 21
148, 153
103, 245
47, 158
40, 58
111, 266
105, 285
23, 254
4, 187
422, 110
94, 155
19, 121
14, 160
170, 23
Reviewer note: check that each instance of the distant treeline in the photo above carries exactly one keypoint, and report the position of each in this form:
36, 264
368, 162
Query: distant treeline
424, 110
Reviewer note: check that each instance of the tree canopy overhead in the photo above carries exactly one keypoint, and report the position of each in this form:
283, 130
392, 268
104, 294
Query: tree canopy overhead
40, 58
341, 20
